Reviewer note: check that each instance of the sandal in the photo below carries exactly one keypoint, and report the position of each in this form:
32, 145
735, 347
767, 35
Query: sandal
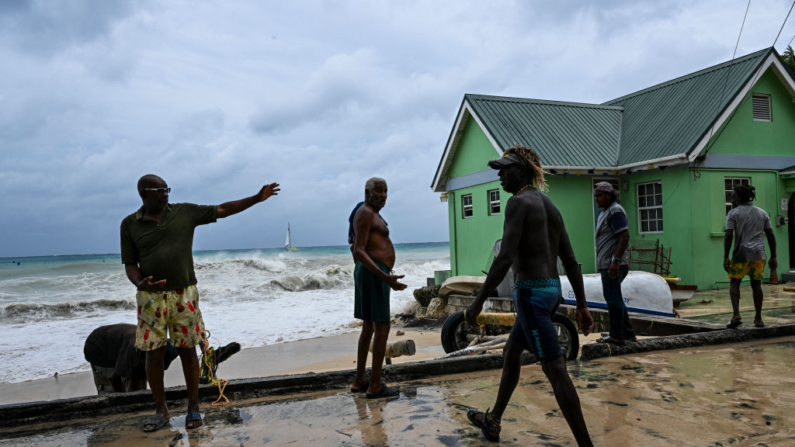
193, 417
759, 323
609, 339
362, 389
486, 424
734, 322
385, 392
153, 423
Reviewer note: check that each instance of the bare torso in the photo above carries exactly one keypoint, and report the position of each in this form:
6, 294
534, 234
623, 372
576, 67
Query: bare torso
537, 253
379, 246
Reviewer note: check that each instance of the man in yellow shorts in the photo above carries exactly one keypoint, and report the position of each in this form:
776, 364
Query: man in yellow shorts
751, 224
157, 252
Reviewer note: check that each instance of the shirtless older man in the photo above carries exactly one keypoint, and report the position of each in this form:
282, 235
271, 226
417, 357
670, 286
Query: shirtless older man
534, 236
375, 257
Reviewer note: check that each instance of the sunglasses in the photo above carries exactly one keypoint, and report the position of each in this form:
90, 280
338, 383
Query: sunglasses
159, 190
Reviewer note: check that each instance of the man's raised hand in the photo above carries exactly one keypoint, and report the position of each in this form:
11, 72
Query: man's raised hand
146, 285
267, 191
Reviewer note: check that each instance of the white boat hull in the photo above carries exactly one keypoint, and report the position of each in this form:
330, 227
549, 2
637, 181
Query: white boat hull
643, 292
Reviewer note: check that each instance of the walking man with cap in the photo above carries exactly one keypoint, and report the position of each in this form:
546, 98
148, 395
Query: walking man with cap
534, 236
751, 224
612, 238
157, 252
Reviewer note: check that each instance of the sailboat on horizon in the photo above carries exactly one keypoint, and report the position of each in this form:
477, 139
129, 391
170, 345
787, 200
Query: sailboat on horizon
288, 246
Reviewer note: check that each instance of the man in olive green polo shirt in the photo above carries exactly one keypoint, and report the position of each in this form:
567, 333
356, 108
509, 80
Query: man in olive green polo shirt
157, 252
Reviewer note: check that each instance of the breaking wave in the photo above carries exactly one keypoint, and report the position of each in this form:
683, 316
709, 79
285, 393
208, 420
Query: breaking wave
20, 312
329, 277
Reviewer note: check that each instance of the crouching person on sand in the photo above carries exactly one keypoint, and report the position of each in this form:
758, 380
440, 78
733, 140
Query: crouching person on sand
375, 258
157, 252
118, 366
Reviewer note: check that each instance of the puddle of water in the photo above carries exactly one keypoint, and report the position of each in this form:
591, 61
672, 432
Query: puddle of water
738, 394
709, 302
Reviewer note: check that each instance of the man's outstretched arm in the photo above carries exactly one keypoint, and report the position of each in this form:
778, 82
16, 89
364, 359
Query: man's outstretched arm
230, 208
574, 274
511, 235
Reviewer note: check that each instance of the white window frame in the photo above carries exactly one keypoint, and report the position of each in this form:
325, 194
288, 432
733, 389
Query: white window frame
728, 192
493, 202
649, 208
465, 207
769, 107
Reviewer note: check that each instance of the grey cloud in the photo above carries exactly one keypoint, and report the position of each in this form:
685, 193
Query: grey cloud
201, 94
44, 27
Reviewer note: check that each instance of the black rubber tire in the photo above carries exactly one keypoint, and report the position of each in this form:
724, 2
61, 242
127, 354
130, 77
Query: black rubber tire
450, 332
455, 327
570, 348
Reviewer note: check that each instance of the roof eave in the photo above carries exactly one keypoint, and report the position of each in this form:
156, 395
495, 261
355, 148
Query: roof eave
772, 59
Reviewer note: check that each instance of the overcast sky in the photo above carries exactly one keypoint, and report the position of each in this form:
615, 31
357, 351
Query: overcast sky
221, 97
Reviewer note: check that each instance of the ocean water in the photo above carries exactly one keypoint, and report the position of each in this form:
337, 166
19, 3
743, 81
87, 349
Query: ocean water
48, 305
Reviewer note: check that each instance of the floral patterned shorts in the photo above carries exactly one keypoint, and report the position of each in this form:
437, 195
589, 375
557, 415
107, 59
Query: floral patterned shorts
168, 314
739, 270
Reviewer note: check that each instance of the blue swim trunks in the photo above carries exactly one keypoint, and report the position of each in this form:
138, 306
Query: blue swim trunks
535, 302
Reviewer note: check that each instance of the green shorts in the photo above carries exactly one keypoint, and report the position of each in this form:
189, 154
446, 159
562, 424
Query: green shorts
372, 294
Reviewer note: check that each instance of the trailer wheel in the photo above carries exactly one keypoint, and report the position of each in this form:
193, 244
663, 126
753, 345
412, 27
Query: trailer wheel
567, 336
455, 331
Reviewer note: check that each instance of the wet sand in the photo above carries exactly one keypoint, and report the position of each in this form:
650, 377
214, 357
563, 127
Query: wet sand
332, 353
726, 395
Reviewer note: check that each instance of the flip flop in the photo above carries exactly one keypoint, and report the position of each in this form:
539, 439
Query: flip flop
609, 339
759, 323
734, 322
193, 417
362, 389
385, 392
153, 423
490, 430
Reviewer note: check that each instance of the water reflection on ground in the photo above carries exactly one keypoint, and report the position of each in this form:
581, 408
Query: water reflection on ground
715, 305
740, 394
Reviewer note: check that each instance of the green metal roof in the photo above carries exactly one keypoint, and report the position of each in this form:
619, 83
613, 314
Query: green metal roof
671, 118
664, 120
563, 133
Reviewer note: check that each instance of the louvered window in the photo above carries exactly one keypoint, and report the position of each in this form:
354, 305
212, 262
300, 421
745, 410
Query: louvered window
761, 107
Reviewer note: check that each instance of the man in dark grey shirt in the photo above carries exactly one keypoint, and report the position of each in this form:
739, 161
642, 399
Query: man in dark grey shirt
612, 238
751, 224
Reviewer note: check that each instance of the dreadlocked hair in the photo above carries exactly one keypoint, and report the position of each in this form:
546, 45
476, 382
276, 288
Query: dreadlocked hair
532, 165
745, 193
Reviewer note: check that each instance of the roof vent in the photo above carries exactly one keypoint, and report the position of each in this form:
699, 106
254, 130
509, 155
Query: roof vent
761, 107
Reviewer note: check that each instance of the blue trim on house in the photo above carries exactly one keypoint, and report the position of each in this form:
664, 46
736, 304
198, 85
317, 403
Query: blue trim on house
629, 309
477, 178
742, 161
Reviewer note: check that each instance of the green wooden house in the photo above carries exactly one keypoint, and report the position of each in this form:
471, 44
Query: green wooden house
674, 151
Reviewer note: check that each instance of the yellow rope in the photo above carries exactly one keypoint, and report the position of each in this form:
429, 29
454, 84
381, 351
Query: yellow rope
218, 382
